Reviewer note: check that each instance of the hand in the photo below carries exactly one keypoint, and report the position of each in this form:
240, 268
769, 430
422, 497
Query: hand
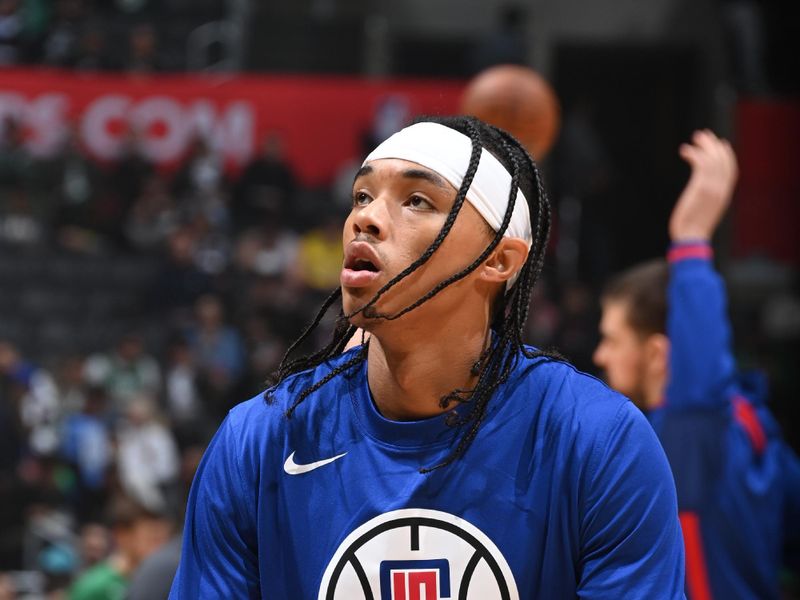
708, 193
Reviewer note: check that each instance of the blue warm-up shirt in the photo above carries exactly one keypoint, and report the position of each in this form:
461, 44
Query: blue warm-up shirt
738, 482
564, 493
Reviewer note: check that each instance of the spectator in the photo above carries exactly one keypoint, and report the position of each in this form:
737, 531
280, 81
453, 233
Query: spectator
95, 543
147, 457
217, 351
10, 32
184, 401
20, 226
266, 189
58, 563
265, 350
137, 533
132, 170
143, 55
125, 373
61, 46
180, 281
93, 52
16, 163
86, 444
71, 384
88, 217
268, 250
37, 397
152, 217
319, 259
153, 578
200, 185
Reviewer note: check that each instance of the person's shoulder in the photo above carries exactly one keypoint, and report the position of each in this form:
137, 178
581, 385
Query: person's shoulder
152, 578
573, 402
564, 385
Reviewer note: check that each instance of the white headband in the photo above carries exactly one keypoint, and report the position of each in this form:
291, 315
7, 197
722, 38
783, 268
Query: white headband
447, 152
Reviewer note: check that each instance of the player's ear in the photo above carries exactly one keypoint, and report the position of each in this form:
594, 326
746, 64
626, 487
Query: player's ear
656, 350
506, 260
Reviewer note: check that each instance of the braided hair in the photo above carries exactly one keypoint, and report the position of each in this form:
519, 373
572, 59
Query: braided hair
497, 362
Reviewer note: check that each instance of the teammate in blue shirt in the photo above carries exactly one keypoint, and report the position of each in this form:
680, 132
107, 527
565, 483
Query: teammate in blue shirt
666, 343
442, 458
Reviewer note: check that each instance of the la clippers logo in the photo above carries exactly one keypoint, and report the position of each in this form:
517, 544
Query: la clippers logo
417, 554
415, 579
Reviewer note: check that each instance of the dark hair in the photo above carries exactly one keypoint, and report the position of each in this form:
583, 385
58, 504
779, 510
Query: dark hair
124, 512
643, 289
511, 312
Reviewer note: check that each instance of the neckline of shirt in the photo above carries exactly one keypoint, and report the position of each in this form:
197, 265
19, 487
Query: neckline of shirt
424, 433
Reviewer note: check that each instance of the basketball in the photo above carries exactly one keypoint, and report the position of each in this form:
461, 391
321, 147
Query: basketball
519, 100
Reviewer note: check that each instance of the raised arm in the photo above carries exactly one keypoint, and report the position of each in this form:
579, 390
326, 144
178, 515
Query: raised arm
701, 360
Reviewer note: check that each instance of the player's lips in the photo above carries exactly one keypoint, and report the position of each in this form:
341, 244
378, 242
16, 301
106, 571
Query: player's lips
361, 265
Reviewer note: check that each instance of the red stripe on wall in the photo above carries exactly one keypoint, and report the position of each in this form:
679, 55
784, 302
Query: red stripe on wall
322, 120
696, 572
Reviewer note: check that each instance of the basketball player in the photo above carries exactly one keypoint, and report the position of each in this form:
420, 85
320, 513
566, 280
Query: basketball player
442, 458
666, 343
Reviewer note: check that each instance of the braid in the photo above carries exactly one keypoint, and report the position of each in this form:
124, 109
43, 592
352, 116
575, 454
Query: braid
285, 367
504, 353
358, 358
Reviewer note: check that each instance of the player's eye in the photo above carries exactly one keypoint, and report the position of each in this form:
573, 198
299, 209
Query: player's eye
419, 202
361, 199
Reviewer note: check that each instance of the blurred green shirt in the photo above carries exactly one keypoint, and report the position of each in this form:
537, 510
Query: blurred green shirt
101, 582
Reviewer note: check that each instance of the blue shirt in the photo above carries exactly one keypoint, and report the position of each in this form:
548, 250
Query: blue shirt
738, 483
565, 492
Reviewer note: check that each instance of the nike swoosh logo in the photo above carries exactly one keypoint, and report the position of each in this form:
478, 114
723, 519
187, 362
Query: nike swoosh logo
292, 468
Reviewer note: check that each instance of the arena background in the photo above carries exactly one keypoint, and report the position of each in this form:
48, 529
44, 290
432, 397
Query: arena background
174, 174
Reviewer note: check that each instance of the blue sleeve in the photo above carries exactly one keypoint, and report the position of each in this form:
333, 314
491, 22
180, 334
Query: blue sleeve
701, 360
630, 533
219, 557
791, 519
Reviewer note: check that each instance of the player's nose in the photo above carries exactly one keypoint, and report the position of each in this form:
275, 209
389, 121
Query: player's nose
372, 219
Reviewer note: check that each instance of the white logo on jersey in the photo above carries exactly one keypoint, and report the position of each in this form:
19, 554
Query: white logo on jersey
292, 468
416, 554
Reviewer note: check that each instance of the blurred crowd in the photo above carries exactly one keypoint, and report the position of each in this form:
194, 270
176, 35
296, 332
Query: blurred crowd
104, 423
85, 35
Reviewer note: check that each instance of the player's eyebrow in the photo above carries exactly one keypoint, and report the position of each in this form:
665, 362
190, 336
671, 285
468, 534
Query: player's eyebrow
423, 174
365, 170
428, 176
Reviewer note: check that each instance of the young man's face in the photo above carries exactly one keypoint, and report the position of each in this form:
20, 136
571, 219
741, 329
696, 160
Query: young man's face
398, 209
143, 537
621, 352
